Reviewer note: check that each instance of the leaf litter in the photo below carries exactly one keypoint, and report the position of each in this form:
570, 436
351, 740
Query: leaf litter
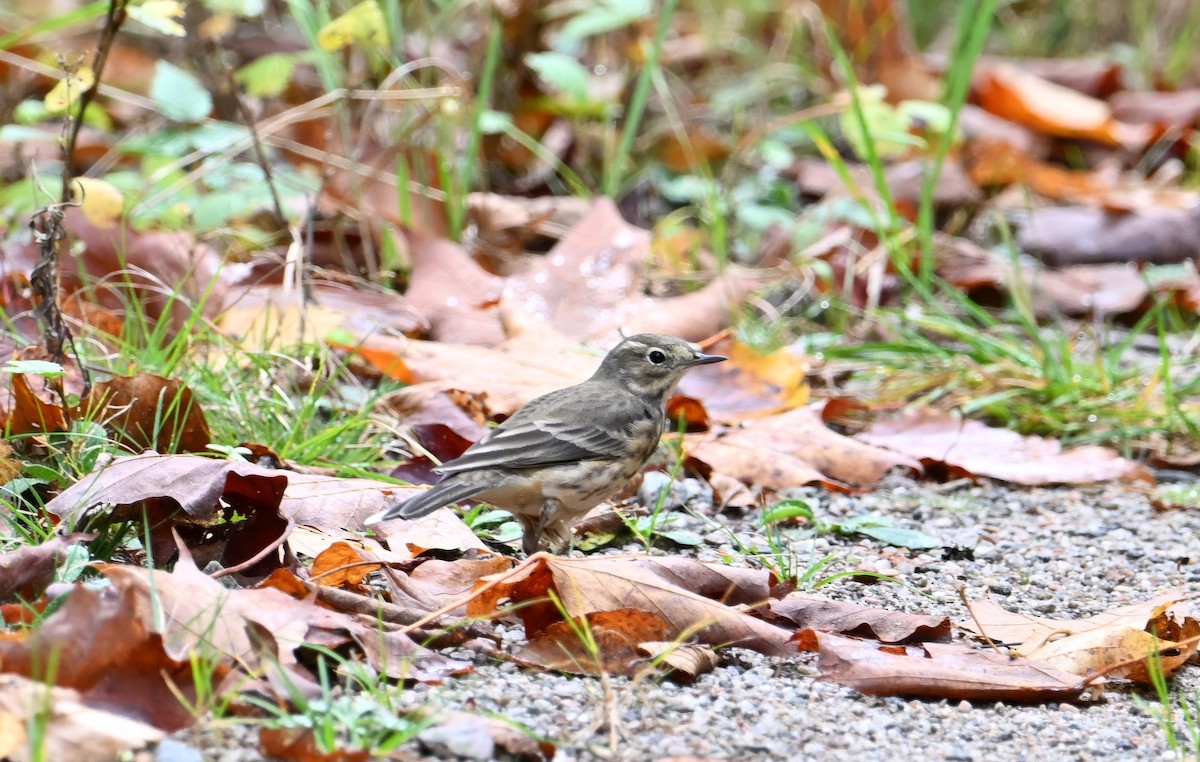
502, 327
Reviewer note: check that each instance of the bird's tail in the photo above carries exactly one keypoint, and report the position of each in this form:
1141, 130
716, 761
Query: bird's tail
442, 493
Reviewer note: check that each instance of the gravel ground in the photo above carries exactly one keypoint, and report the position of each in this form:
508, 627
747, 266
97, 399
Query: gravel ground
1066, 553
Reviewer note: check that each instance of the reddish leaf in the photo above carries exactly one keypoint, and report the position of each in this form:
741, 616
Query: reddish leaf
937, 670
976, 449
148, 412
602, 642
103, 648
693, 597
300, 745
813, 612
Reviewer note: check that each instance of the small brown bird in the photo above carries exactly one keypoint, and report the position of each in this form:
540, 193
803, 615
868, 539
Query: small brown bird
567, 451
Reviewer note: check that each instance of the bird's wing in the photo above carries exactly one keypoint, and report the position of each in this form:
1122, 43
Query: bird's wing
532, 441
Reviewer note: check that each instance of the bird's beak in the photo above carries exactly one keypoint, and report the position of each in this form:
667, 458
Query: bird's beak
703, 359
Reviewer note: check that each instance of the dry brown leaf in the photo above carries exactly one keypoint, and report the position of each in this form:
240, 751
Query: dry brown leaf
1074, 291
1179, 107
601, 642
878, 35
1094, 644
791, 450
454, 295
937, 670
974, 448
589, 286
29, 414
26, 571
498, 380
273, 318
684, 661
1074, 235
74, 731
103, 647
806, 611
695, 598
1028, 99
148, 412
342, 565
300, 745
435, 584
189, 494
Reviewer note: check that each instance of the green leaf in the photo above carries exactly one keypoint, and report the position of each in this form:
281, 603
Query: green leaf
681, 537
562, 73
267, 76
494, 122
75, 563
605, 16
41, 367
243, 8
901, 537
785, 510
178, 94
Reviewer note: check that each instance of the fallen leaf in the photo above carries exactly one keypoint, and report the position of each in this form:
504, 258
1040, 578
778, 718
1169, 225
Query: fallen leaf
73, 731
976, 449
102, 647
1175, 108
148, 412
684, 662
1128, 634
806, 611
790, 450
694, 598
589, 286
342, 565
300, 745
1053, 109
200, 497
1073, 235
748, 384
276, 318
601, 642
937, 670
26, 571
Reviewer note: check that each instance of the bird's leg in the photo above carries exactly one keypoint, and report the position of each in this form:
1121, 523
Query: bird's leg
533, 540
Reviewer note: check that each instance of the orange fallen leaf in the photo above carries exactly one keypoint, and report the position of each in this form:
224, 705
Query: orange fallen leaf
602, 642
694, 598
1053, 109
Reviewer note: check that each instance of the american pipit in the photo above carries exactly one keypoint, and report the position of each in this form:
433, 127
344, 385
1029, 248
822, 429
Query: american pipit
567, 451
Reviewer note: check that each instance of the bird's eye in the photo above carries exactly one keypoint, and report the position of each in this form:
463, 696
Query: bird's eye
656, 356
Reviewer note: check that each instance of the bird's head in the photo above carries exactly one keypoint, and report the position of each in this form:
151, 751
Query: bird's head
651, 364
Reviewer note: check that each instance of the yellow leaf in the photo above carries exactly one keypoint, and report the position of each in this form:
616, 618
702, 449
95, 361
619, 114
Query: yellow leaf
102, 203
363, 23
160, 16
68, 90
